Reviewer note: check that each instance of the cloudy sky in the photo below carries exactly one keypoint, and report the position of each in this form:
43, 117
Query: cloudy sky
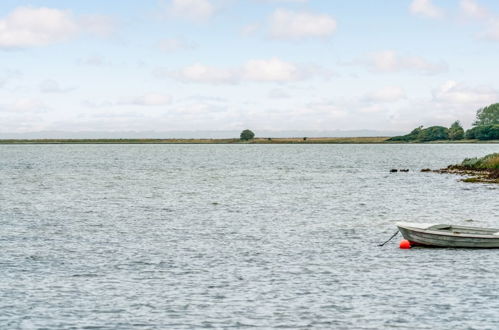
231, 64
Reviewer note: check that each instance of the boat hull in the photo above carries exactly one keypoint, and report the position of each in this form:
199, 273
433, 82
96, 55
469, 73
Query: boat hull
430, 238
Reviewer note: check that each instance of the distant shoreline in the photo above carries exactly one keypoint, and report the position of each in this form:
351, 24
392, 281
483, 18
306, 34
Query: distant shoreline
301, 140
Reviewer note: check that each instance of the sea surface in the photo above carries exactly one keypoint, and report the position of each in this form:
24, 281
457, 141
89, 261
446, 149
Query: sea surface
239, 236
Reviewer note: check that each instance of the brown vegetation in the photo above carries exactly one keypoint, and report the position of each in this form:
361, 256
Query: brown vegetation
301, 140
484, 170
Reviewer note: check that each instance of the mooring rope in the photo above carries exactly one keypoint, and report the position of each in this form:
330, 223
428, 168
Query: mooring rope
390, 238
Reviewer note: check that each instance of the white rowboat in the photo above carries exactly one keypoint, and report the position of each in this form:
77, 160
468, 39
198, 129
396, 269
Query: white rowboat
442, 235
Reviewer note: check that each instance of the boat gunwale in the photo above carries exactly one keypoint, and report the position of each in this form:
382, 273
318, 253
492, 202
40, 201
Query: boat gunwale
440, 233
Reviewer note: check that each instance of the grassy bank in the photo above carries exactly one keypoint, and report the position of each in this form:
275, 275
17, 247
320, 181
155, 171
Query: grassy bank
200, 141
475, 141
301, 140
119, 141
484, 169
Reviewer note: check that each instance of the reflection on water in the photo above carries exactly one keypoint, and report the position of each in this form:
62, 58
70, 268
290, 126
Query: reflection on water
189, 236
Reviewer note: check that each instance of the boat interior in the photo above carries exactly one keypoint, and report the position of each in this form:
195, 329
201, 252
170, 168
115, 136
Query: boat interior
465, 230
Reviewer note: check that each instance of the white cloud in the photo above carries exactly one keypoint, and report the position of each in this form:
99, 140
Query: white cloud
452, 92
318, 111
492, 31
490, 22
94, 61
271, 70
100, 25
28, 105
201, 73
387, 94
286, 24
391, 61
97, 104
450, 101
7, 75
372, 108
284, 1
30, 27
425, 8
24, 105
197, 10
472, 9
250, 29
150, 99
172, 45
257, 70
52, 86
199, 109
27, 26
278, 94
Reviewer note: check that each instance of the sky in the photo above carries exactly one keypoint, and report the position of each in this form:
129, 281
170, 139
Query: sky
273, 65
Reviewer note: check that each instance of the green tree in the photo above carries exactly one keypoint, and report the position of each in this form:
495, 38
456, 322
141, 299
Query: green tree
456, 131
415, 133
434, 133
412, 136
471, 133
484, 132
421, 134
487, 132
487, 116
247, 135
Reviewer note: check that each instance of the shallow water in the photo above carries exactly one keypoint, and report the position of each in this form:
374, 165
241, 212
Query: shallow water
190, 236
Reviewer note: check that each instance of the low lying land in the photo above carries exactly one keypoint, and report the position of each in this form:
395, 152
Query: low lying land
301, 140
484, 170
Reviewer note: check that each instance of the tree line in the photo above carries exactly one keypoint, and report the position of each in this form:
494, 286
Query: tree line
485, 127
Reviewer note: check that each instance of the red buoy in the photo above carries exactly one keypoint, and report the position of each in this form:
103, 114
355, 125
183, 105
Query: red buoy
405, 244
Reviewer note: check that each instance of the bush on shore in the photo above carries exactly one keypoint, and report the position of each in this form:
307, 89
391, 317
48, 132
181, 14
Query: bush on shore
489, 162
484, 169
485, 132
247, 135
420, 134
486, 127
456, 131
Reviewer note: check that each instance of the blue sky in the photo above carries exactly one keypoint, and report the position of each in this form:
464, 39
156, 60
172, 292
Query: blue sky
234, 64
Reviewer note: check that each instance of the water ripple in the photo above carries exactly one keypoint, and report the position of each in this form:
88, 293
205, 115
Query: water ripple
277, 236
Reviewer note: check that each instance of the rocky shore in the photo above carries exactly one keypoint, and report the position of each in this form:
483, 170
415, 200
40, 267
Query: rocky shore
481, 170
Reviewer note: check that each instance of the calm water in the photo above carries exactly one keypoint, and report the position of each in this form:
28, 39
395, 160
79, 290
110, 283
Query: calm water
190, 236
